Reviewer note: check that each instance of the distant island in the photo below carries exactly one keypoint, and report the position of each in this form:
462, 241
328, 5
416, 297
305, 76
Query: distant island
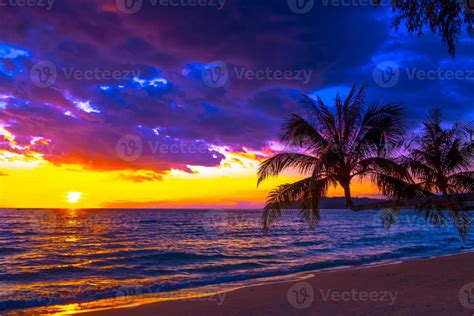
340, 202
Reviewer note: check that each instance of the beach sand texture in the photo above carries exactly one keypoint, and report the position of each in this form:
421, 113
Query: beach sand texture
437, 286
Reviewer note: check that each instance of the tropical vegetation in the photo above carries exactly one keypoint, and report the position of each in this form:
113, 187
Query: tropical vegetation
333, 146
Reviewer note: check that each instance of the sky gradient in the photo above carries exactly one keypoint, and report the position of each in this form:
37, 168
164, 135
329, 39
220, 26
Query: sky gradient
121, 106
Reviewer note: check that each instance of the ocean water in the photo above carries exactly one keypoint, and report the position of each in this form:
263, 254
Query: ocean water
59, 257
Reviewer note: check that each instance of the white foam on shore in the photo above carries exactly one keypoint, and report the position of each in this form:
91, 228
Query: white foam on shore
211, 290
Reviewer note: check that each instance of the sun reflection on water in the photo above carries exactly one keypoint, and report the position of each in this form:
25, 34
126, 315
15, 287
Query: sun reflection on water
96, 259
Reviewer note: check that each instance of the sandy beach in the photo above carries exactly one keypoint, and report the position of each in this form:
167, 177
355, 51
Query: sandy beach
437, 286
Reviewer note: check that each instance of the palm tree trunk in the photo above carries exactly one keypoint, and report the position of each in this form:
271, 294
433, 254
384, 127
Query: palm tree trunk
347, 194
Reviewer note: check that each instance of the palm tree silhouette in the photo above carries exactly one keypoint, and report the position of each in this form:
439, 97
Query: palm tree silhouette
333, 149
439, 160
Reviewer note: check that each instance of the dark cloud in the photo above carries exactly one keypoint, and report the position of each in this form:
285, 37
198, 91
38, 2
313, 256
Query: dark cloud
159, 95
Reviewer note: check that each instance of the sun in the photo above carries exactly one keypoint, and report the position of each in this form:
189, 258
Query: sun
73, 197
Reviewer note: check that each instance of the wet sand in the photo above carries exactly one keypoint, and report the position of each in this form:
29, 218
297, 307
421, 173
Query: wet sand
418, 287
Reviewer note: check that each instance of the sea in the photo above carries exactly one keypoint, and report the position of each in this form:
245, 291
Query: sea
75, 260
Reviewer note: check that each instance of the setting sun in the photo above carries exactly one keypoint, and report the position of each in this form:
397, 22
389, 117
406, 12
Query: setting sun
73, 197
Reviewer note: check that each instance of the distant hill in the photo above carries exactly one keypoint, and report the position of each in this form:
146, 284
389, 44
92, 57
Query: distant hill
340, 203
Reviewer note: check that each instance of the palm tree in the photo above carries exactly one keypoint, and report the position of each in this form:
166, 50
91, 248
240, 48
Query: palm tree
444, 18
439, 160
333, 148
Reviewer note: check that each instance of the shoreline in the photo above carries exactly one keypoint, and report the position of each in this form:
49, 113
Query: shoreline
422, 286
212, 301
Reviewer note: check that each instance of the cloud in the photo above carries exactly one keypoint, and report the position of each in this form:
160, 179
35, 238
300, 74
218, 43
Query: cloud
141, 74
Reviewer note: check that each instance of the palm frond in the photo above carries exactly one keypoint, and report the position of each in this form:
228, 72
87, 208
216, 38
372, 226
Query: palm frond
396, 188
352, 108
438, 159
455, 158
381, 129
418, 169
297, 131
462, 182
310, 204
382, 165
326, 120
306, 193
274, 165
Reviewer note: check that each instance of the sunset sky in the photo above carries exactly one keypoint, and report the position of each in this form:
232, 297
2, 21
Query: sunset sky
130, 120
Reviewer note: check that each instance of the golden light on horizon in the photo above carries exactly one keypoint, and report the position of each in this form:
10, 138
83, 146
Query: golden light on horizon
73, 197
233, 182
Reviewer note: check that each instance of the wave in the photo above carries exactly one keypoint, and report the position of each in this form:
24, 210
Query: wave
225, 267
306, 243
164, 255
171, 258
5, 251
